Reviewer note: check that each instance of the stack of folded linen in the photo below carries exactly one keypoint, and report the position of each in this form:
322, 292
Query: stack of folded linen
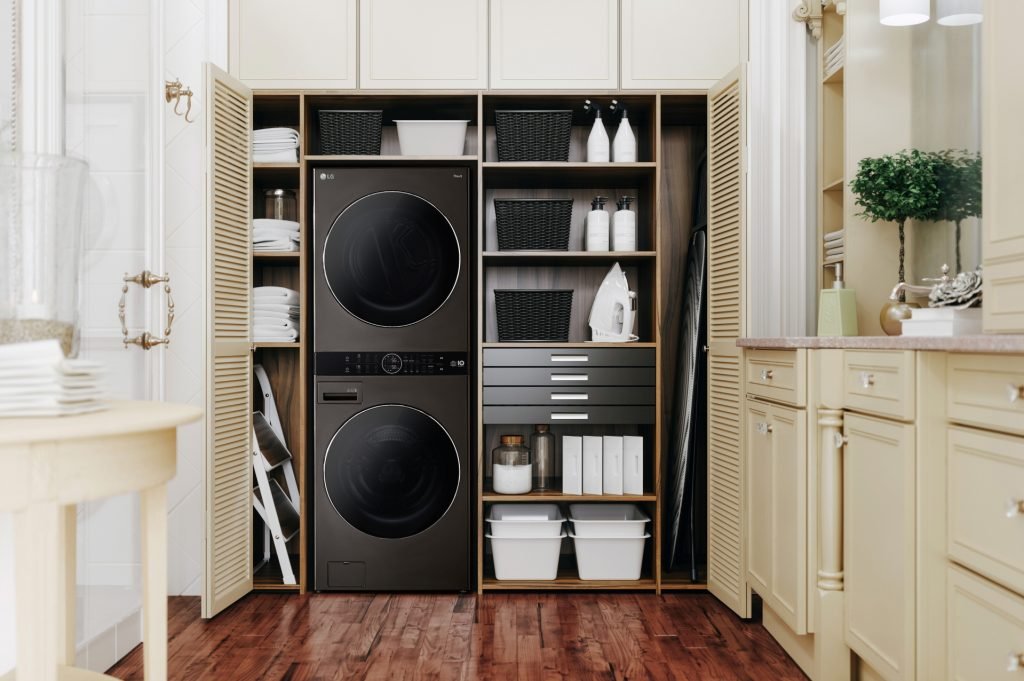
835, 248
37, 380
275, 235
275, 145
275, 314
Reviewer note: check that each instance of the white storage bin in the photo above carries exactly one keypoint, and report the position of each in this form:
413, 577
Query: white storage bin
607, 520
618, 558
526, 558
531, 521
431, 138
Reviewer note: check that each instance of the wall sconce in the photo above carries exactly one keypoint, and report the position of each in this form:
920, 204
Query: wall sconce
904, 12
959, 12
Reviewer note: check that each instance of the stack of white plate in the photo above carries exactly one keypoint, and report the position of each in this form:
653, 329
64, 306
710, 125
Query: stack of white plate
37, 380
526, 540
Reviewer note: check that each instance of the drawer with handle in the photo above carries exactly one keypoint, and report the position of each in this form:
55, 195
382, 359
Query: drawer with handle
986, 504
569, 414
544, 357
777, 375
569, 376
985, 627
534, 395
879, 382
986, 391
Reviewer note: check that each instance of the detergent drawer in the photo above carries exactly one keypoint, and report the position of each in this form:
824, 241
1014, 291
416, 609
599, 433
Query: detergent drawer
569, 357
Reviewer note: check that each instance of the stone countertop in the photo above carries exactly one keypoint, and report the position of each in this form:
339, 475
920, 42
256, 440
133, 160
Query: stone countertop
989, 343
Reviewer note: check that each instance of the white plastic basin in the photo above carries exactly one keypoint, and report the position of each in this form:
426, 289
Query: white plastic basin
431, 138
529, 521
609, 558
524, 558
607, 520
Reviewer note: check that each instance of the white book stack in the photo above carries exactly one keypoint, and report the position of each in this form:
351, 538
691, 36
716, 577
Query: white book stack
37, 380
835, 57
606, 465
835, 246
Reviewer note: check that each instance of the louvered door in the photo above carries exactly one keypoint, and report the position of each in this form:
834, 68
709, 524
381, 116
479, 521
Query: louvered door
228, 539
726, 322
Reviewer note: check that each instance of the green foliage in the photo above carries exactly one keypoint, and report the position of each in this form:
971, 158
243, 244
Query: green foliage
898, 187
958, 174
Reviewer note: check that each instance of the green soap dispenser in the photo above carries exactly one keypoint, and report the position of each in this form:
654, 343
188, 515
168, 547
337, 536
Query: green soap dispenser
837, 310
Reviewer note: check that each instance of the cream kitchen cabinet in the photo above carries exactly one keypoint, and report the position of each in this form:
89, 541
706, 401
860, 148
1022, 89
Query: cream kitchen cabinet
299, 44
416, 44
538, 44
684, 44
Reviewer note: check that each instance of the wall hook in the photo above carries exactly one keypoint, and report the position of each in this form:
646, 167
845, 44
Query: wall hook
174, 90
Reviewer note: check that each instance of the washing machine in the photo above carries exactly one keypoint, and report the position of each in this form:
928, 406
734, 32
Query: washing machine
391, 505
391, 265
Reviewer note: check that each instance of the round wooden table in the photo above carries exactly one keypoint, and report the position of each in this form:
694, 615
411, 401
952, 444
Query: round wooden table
49, 466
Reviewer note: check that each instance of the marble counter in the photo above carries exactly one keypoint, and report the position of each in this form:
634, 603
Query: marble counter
989, 343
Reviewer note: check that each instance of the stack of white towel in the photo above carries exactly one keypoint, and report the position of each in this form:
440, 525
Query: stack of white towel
275, 314
835, 247
275, 235
37, 380
834, 57
275, 145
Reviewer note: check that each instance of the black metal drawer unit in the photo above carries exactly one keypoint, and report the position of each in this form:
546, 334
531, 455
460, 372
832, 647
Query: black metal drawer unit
569, 385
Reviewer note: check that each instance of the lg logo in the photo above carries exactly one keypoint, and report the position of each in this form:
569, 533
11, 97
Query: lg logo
326, 176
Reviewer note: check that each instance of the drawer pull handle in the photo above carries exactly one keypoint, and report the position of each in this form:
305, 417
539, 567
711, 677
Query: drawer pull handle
840, 440
1014, 508
866, 380
1014, 393
570, 377
570, 417
570, 358
570, 396
767, 374
1015, 662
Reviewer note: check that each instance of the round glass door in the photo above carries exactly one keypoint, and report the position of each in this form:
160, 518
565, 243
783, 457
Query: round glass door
391, 471
391, 259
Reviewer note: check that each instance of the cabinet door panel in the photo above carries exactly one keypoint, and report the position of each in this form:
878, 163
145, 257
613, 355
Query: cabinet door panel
299, 44
538, 44
879, 544
760, 496
686, 44
416, 44
787, 592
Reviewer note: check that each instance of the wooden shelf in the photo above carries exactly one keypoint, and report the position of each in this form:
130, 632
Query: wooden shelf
568, 580
275, 166
569, 345
389, 161
558, 497
296, 345
512, 258
268, 577
562, 175
275, 255
834, 185
681, 581
567, 165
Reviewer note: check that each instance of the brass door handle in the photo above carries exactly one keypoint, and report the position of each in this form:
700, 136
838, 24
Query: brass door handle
145, 340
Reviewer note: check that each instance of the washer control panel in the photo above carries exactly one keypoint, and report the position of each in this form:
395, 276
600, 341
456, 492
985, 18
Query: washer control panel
391, 363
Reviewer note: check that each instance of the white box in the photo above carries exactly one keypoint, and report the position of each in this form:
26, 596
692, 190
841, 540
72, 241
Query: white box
612, 459
607, 520
593, 469
532, 521
572, 464
431, 138
632, 464
618, 558
943, 321
526, 558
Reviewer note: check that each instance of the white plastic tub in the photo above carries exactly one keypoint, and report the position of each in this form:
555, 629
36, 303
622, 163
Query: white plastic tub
607, 520
526, 558
431, 138
531, 521
615, 558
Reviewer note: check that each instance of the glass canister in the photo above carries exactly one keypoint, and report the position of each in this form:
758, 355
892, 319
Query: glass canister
511, 470
41, 240
542, 449
280, 204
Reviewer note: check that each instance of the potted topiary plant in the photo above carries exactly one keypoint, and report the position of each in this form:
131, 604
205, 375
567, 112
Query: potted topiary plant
896, 188
958, 174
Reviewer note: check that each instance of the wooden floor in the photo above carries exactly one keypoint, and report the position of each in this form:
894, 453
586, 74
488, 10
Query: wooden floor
573, 637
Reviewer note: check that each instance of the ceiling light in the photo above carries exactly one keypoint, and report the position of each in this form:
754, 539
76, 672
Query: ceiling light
959, 12
904, 12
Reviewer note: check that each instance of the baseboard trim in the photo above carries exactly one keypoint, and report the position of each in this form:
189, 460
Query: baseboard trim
800, 648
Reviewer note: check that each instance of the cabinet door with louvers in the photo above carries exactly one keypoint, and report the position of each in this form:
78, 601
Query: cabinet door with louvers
228, 512
726, 323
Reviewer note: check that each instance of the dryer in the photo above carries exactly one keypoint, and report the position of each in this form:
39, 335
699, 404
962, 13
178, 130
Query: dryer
391, 258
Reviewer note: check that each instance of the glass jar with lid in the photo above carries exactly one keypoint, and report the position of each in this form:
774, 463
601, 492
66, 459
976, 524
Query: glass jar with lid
511, 470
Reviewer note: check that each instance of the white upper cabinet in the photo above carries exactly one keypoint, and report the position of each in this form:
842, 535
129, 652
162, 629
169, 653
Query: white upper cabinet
423, 44
539, 44
684, 44
298, 44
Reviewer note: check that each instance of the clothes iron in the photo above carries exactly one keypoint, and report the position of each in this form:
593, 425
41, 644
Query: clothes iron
614, 310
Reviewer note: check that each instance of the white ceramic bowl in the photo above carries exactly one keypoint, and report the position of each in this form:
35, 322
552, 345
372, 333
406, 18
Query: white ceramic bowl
432, 138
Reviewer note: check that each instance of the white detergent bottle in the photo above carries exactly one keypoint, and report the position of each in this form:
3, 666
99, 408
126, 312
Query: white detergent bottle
624, 226
624, 146
597, 144
597, 225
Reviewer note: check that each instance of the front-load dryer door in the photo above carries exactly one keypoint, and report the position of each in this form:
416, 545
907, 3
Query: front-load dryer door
391, 471
391, 259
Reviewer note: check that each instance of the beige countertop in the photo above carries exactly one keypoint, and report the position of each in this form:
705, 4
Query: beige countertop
989, 343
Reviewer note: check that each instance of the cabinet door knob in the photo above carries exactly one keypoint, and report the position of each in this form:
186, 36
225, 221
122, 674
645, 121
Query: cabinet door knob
767, 374
840, 440
867, 380
1015, 662
1014, 508
1014, 393
764, 428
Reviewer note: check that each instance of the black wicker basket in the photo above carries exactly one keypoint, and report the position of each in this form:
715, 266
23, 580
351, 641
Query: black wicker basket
533, 315
533, 224
350, 132
533, 135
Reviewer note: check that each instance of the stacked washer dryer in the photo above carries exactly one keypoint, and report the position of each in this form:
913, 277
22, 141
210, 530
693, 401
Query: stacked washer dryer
391, 302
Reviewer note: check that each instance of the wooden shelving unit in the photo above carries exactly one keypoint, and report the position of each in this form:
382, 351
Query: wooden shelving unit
559, 498
831, 142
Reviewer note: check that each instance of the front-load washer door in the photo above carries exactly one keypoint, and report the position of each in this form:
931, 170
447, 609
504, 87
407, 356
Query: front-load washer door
391, 471
391, 258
